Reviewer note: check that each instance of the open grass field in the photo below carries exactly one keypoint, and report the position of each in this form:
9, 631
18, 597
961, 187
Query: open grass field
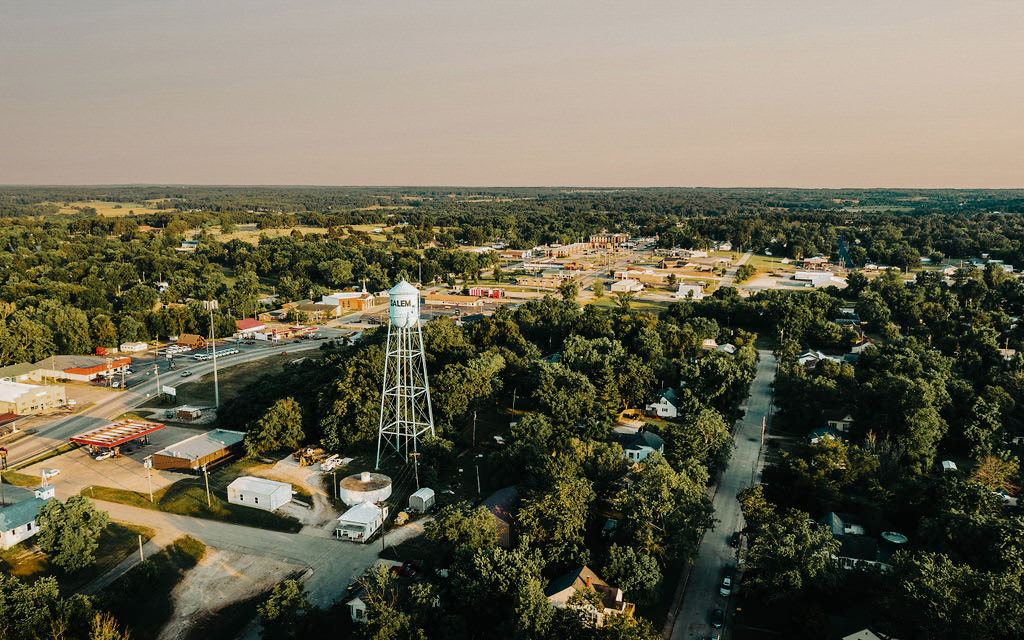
649, 306
769, 263
141, 599
251, 234
116, 543
109, 209
188, 498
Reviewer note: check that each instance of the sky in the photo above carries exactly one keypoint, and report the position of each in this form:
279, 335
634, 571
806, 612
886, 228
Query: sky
718, 93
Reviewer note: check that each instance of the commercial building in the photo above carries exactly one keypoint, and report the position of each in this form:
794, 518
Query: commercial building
487, 292
360, 522
626, 286
317, 312
817, 278
205, 449
79, 368
608, 240
259, 493
647, 276
192, 341
516, 254
29, 399
18, 519
689, 292
133, 347
277, 315
453, 301
350, 300
18, 372
248, 326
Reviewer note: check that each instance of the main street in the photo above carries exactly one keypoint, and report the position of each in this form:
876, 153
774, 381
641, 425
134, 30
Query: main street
701, 595
57, 432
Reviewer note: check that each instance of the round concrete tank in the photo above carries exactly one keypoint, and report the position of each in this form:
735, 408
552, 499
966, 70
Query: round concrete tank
403, 305
364, 487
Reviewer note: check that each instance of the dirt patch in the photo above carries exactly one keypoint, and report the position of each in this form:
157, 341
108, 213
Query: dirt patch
319, 519
220, 579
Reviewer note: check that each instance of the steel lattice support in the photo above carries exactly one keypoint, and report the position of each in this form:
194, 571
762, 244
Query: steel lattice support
405, 411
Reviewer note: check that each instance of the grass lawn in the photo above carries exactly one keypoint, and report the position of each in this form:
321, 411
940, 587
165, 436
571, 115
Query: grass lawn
141, 599
19, 479
188, 498
251, 234
649, 306
769, 263
117, 541
110, 209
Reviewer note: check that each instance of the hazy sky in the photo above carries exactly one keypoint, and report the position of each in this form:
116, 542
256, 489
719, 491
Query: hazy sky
812, 93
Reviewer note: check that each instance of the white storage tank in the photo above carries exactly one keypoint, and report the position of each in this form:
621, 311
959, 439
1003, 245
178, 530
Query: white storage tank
364, 487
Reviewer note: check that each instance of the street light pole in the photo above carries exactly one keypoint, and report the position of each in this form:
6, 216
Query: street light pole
211, 305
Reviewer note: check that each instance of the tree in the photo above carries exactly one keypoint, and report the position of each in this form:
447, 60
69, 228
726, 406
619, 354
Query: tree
787, 551
104, 627
745, 272
285, 612
568, 289
598, 289
69, 532
279, 428
636, 573
384, 620
36, 610
458, 528
997, 472
556, 520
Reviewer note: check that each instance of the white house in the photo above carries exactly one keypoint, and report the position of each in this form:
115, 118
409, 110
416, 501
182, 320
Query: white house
639, 444
689, 292
360, 522
259, 493
841, 421
18, 520
665, 405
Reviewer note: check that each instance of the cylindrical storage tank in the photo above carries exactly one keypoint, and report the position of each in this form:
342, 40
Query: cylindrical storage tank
364, 487
403, 305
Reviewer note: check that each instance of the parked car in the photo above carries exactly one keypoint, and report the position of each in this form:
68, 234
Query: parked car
186, 373
734, 540
115, 384
104, 455
726, 587
717, 618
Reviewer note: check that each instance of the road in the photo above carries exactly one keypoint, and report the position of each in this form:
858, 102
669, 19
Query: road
141, 387
714, 553
730, 273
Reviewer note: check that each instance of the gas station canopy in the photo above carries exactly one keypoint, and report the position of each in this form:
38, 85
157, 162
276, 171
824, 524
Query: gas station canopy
117, 433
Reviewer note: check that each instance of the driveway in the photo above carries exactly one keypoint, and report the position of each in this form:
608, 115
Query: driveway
701, 595
730, 273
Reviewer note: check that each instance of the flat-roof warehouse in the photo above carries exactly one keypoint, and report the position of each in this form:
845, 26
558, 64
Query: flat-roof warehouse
193, 453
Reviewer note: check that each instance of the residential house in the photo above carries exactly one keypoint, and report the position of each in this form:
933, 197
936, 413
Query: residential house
584, 579
857, 550
666, 404
840, 420
277, 315
638, 445
318, 312
360, 522
811, 359
726, 348
18, 519
503, 505
823, 433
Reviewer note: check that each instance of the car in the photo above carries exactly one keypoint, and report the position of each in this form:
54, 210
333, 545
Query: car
734, 539
115, 384
186, 373
104, 455
717, 618
726, 587
128, 372
284, 353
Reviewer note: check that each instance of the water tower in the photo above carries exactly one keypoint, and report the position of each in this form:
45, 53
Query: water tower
405, 411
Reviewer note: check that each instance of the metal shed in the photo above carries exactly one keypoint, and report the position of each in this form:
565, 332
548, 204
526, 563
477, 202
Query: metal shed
422, 500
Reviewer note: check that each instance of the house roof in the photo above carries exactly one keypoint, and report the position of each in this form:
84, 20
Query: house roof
858, 548
8, 418
839, 414
669, 395
20, 513
363, 513
15, 370
821, 432
576, 580
502, 503
257, 485
66, 363
639, 439
835, 521
248, 323
203, 444
190, 337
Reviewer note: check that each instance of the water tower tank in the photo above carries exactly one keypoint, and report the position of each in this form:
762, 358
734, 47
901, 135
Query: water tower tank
364, 487
403, 305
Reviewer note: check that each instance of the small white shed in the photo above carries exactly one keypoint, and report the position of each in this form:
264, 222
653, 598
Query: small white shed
422, 500
948, 465
259, 493
360, 522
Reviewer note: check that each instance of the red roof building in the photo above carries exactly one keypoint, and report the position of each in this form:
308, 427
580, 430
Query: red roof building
249, 325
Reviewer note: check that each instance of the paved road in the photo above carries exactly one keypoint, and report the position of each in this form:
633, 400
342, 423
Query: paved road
730, 273
714, 553
56, 433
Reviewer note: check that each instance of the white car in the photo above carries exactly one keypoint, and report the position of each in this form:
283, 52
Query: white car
726, 587
104, 455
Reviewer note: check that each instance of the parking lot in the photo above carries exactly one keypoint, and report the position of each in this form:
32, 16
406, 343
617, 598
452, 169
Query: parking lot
78, 469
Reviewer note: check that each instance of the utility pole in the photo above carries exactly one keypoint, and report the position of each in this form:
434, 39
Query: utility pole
159, 389
477, 479
416, 467
206, 476
140, 548
474, 438
148, 463
514, 390
211, 305
334, 475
